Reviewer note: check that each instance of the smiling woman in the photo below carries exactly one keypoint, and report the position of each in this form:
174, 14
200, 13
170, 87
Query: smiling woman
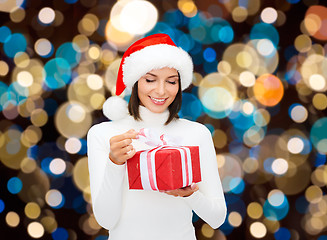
157, 71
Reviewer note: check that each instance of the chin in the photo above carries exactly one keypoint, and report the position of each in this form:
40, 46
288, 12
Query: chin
158, 109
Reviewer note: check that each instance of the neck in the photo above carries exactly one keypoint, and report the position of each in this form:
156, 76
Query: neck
152, 118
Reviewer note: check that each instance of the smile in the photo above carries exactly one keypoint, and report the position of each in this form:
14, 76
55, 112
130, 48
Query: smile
159, 101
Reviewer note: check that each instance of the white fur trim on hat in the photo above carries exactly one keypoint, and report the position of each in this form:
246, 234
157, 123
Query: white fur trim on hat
115, 108
155, 57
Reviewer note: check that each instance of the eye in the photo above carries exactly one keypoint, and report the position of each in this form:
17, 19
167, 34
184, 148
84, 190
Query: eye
149, 80
172, 82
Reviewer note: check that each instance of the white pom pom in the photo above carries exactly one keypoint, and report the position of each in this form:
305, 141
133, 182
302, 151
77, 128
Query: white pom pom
115, 108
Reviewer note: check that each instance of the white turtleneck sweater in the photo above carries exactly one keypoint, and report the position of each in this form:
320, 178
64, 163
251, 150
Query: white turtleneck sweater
148, 215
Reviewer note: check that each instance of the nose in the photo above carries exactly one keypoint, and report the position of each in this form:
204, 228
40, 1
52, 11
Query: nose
161, 88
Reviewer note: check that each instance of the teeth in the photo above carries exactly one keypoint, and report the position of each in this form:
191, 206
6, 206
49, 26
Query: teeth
158, 100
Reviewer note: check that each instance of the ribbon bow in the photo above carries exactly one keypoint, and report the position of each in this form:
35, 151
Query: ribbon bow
153, 139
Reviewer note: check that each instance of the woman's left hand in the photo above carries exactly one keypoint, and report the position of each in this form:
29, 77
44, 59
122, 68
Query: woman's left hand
184, 192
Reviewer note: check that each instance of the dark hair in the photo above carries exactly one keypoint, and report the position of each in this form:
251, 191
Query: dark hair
174, 107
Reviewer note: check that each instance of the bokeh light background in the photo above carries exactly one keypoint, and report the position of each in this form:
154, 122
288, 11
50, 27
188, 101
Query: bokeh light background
259, 85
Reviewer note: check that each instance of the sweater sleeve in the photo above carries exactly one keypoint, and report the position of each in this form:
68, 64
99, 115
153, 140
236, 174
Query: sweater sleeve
209, 202
106, 180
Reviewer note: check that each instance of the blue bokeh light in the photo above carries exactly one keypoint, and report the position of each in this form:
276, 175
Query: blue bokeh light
58, 73
210, 67
209, 54
2, 206
70, 52
185, 41
191, 107
60, 234
282, 234
162, 27
71, 1
14, 185
101, 237
3, 94
318, 134
276, 213
301, 204
320, 160
83, 149
4, 34
79, 204
45, 165
14, 44
293, 1
264, 30
174, 18
226, 34
237, 185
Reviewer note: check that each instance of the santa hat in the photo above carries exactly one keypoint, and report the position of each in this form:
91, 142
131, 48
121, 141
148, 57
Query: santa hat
152, 52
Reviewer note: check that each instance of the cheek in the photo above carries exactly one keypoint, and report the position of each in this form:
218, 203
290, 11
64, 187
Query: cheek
173, 90
142, 88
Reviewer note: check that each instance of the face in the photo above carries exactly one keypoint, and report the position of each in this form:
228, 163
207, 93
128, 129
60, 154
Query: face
158, 88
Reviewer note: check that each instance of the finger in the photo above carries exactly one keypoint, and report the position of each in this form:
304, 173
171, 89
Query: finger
130, 134
114, 143
122, 152
129, 154
122, 157
124, 143
127, 148
172, 193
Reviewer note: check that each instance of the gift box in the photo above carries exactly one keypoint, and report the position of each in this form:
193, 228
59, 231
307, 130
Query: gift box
164, 168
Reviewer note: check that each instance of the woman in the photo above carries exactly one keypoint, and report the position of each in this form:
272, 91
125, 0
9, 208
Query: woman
156, 71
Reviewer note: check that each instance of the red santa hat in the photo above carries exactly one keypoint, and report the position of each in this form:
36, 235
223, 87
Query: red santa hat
152, 52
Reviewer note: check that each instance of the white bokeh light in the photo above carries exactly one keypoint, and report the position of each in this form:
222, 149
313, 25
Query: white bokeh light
247, 79
276, 197
94, 82
46, 15
279, 166
76, 112
126, 18
299, 114
295, 145
317, 82
73, 145
269, 15
265, 47
53, 198
35, 229
25, 79
43, 47
258, 230
57, 166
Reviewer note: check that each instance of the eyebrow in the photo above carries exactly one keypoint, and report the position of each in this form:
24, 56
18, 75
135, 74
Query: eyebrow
157, 76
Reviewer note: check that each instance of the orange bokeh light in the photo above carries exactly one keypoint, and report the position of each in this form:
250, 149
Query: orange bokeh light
316, 22
268, 90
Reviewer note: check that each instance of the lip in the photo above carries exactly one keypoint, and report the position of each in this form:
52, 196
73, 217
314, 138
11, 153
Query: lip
161, 102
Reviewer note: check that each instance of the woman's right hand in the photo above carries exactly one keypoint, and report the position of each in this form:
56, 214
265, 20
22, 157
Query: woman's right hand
121, 148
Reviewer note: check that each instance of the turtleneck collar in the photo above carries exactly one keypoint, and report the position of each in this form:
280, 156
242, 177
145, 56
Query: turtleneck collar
151, 118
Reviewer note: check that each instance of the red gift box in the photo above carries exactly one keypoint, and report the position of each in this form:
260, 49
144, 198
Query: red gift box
164, 168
